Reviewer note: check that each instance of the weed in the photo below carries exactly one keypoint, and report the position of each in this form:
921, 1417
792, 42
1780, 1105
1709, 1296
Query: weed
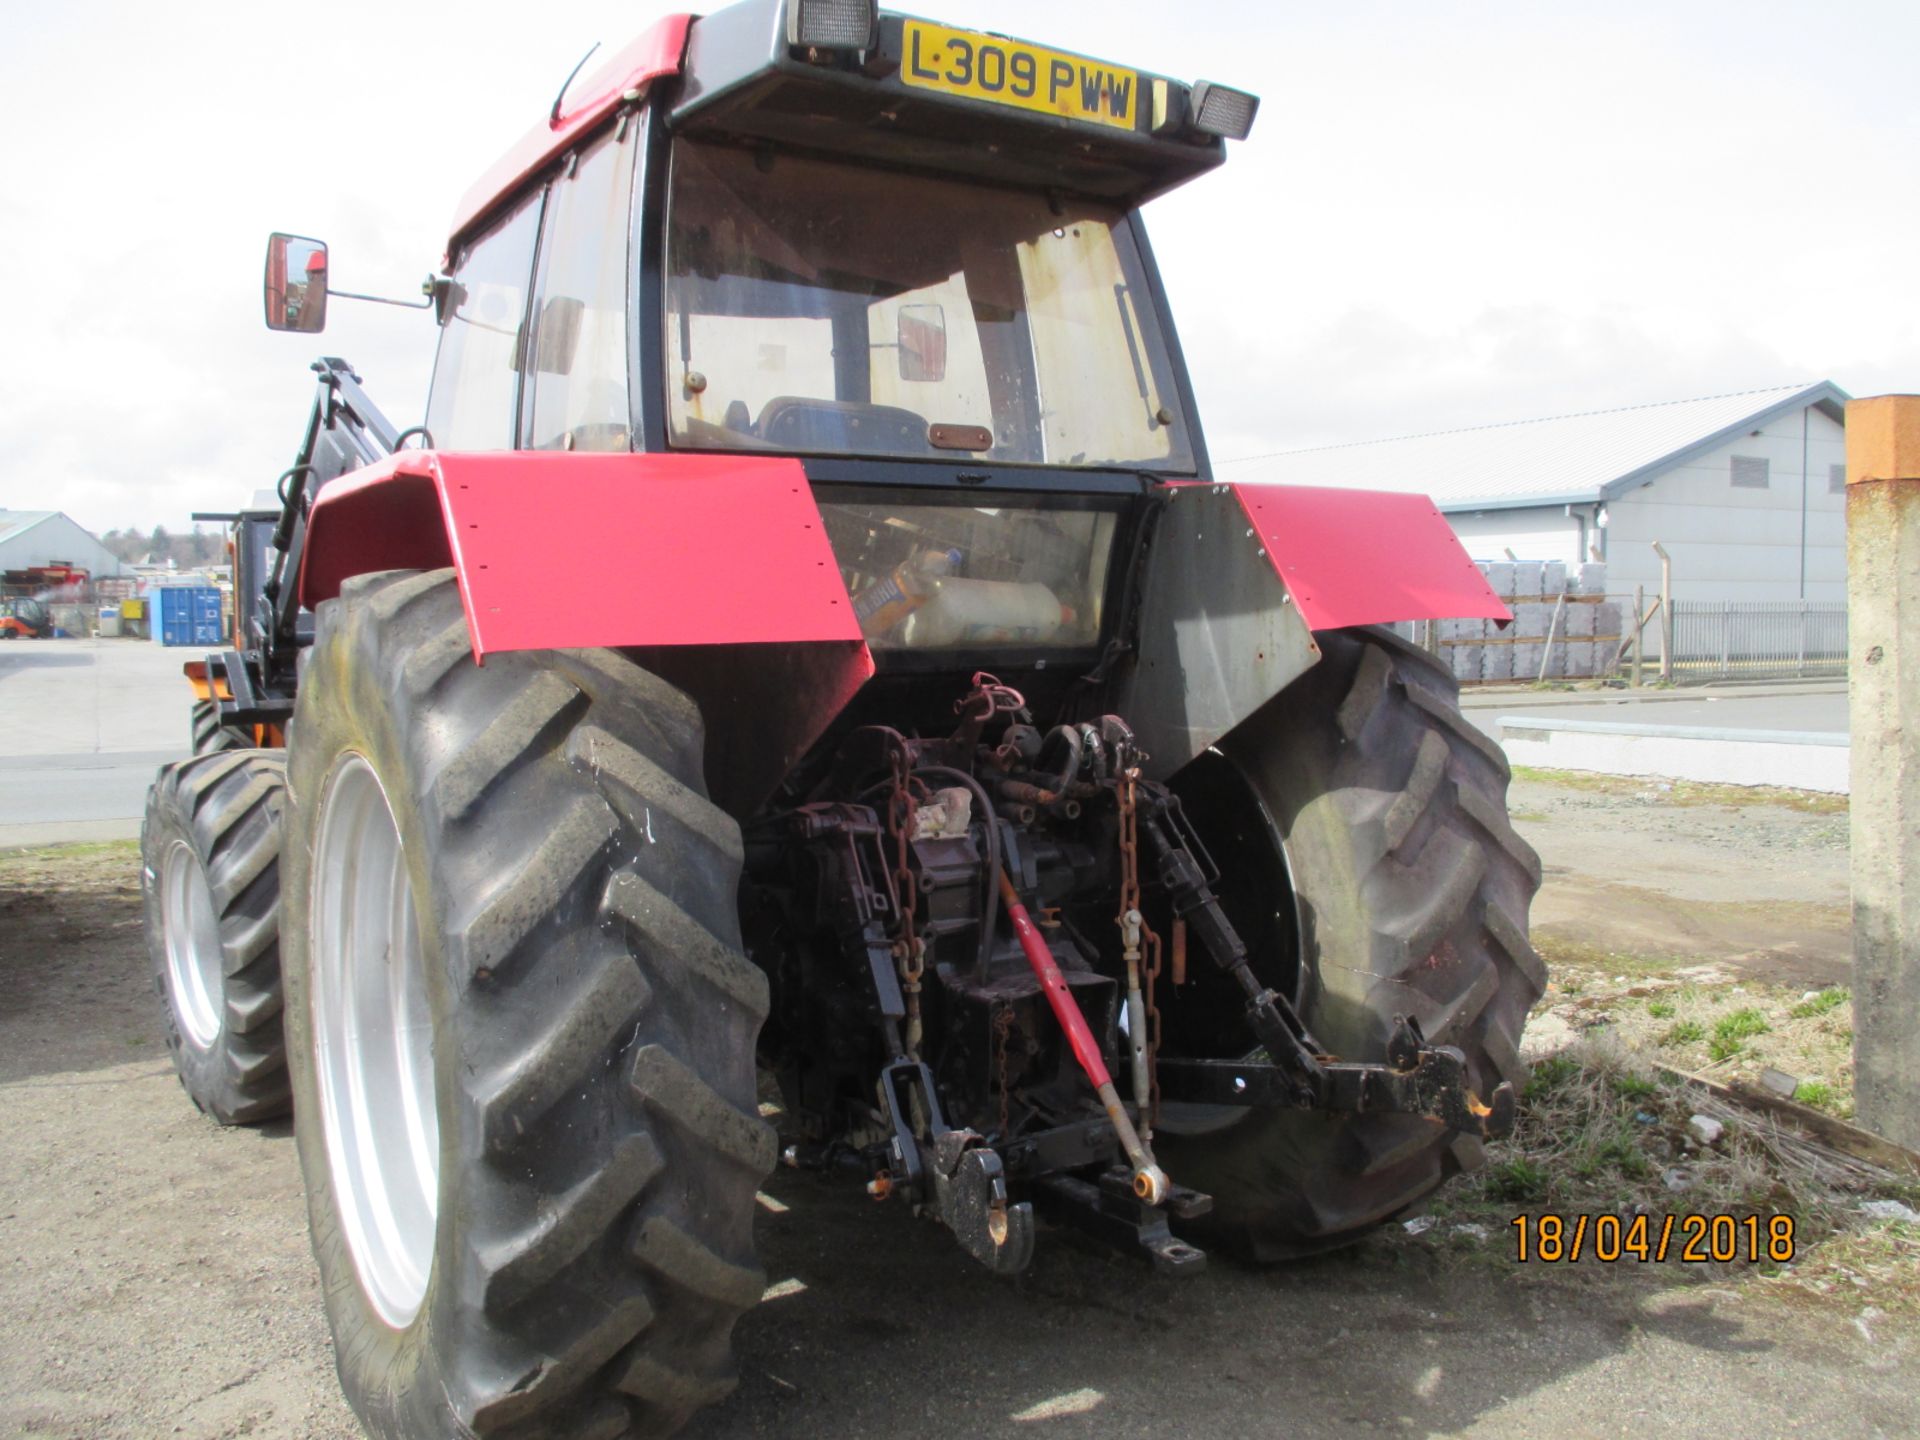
1741, 1024
1517, 1181
1684, 1032
1549, 1075
1814, 1092
1829, 999
1635, 1087
1660, 1009
1732, 1030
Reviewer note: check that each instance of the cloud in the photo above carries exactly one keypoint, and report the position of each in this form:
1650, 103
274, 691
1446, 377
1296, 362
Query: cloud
1448, 214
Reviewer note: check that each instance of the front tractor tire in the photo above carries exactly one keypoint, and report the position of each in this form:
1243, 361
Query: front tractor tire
210, 870
209, 736
1411, 891
521, 1030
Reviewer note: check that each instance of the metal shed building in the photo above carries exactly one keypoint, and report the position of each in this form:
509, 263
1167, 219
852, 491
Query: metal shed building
47, 537
1745, 491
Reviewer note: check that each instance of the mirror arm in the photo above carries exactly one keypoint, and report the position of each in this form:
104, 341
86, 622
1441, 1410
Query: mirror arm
426, 304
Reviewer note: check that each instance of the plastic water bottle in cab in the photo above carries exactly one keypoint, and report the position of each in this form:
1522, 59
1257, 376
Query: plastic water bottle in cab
966, 612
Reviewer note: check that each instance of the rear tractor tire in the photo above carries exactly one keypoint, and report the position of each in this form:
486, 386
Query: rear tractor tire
522, 1030
210, 852
1411, 890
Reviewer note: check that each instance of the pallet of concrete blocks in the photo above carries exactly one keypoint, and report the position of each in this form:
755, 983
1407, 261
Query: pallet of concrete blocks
1608, 631
1496, 654
1461, 647
1529, 630
1578, 625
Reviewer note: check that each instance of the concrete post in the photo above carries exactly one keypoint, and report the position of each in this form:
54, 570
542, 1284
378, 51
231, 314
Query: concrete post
1666, 612
1639, 626
1883, 599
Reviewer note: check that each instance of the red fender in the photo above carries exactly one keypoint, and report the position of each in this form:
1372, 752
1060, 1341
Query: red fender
716, 568
1366, 557
556, 550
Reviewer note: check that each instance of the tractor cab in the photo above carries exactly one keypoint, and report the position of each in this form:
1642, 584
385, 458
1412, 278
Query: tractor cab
906, 254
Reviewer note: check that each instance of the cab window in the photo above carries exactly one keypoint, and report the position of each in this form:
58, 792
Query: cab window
579, 377
826, 306
482, 343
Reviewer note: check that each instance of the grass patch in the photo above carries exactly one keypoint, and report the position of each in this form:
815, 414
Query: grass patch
1598, 1131
1732, 1030
1518, 1181
1686, 792
1567, 957
1631, 1086
1816, 1093
1827, 1001
1660, 1009
1684, 1032
80, 850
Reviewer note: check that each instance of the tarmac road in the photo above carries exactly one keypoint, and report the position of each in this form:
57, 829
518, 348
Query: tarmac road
83, 726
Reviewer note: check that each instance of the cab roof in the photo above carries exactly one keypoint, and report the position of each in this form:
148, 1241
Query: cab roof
741, 80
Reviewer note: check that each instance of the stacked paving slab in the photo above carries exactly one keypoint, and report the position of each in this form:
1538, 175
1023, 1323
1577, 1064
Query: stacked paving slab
1586, 636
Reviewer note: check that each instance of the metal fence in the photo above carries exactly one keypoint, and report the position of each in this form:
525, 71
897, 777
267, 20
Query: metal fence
1756, 639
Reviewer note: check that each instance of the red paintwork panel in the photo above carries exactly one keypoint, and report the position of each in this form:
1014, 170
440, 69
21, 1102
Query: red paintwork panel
658, 52
558, 550
1367, 557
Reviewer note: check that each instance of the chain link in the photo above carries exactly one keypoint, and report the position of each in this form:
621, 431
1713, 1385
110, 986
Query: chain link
908, 953
1002, 1032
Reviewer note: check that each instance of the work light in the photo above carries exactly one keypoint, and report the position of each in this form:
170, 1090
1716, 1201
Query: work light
1220, 111
832, 24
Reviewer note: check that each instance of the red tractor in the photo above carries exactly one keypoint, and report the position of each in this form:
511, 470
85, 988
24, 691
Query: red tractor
804, 648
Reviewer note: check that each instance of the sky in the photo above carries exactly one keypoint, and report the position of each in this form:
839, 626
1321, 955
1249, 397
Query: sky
1450, 212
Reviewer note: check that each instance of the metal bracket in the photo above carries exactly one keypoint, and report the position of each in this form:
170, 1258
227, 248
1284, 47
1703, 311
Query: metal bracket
1428, 1081
1109, 1211
962, 1180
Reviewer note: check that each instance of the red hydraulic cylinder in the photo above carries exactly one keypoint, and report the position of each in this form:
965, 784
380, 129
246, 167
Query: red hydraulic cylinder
1149, 1181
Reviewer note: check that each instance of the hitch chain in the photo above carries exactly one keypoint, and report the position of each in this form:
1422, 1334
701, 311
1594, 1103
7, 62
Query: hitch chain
908, 952
1143, 1013
1002, 1033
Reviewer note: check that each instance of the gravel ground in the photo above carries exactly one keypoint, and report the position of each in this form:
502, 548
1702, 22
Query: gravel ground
155, 1278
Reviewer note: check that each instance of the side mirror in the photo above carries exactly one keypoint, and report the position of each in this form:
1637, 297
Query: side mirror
923, 342
296, 284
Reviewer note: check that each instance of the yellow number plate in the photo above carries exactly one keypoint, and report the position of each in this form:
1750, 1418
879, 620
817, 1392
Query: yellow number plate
1011, 72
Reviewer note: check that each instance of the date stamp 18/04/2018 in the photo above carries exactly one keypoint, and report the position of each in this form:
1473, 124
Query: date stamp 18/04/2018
1691, 1239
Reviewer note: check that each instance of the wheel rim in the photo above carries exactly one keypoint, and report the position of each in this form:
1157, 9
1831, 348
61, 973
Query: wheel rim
373, 1043
192, 930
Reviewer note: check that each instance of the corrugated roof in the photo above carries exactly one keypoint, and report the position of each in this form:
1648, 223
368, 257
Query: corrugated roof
1566, 459
13, 522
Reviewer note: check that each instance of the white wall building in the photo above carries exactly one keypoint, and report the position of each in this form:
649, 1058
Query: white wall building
1745, 491
47, 537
